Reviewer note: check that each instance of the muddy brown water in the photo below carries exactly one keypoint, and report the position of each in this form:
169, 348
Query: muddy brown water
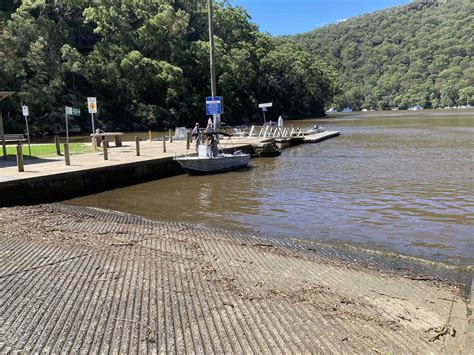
393, 181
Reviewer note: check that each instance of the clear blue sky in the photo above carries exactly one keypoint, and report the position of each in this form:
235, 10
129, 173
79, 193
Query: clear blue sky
280, 17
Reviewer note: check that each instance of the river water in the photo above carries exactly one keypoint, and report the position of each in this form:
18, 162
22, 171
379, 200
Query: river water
393, 181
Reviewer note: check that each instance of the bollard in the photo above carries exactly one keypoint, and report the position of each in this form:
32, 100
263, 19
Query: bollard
67, 160
188, 140
104, 149
149, 136
170, 132
164, 144
137, 145
58, 145
19, 158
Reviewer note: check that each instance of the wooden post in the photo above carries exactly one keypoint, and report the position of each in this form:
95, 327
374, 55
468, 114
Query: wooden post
104, 149
67, 160
149, 136
170, 132
188, 140
19, 158
137, 145
58, 145
164, 144
2, 136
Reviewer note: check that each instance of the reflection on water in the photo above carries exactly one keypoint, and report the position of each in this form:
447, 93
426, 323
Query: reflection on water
392, 181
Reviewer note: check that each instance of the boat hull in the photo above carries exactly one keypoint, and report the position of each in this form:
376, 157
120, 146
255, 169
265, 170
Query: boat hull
205, 165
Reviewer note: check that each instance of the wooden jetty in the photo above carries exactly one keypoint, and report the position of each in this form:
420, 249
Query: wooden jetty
319, 137
59, 178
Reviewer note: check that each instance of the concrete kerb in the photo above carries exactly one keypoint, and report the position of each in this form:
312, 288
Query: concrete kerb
469, 348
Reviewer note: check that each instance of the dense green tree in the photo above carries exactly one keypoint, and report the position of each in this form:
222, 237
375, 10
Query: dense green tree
420, 53
147, 62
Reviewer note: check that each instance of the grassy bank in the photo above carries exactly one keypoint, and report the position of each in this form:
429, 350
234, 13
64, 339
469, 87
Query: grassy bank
48, 150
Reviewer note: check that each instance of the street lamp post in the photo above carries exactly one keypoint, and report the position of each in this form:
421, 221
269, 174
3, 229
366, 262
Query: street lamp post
212, 55
212, 52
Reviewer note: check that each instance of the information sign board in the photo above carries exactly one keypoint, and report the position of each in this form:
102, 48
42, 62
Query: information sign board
214, 105
265, 105
71, 111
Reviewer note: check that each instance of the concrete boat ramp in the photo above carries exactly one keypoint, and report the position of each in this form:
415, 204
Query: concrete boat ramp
50, 180
84, 280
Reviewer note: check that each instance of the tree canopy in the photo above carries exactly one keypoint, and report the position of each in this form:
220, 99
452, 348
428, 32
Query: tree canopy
147, 62
417, 54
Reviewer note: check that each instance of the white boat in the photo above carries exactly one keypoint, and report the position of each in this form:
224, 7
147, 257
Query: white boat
415, 108
207, 163
331, 110
365, 110
347, 109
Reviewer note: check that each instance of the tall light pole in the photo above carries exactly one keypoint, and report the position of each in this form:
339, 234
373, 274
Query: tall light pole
212, 49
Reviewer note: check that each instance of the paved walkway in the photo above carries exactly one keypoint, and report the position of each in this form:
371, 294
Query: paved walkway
117, 156
76, 279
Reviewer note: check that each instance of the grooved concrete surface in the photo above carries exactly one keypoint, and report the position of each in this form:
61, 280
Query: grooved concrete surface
76, 279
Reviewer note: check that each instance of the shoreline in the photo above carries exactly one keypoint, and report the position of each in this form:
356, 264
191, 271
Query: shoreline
84, 279
376, 251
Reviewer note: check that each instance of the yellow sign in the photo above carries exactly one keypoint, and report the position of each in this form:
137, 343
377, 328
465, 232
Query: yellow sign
92, 104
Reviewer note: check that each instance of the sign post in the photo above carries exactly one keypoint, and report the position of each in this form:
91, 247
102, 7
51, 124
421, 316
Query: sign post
70, 111
25, 111
92, 107
264, 108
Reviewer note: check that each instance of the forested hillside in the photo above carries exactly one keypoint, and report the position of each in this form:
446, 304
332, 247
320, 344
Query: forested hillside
147, 63
417, 54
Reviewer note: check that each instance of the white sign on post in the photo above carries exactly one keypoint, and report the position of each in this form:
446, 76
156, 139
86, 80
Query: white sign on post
24, 108
92, 104
26, 113
92, 107
264, 108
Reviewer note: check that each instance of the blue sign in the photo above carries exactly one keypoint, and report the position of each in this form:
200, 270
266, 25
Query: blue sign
214, 105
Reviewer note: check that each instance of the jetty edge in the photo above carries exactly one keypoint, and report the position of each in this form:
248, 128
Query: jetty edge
80, 279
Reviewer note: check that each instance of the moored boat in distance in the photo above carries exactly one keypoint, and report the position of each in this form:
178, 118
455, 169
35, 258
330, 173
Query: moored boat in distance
331, 110
347, 109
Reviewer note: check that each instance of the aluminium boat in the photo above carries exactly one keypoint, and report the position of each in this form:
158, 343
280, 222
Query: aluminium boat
209, 162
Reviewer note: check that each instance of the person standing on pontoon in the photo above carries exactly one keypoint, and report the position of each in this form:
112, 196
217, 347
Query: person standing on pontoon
209, 128
195, 134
